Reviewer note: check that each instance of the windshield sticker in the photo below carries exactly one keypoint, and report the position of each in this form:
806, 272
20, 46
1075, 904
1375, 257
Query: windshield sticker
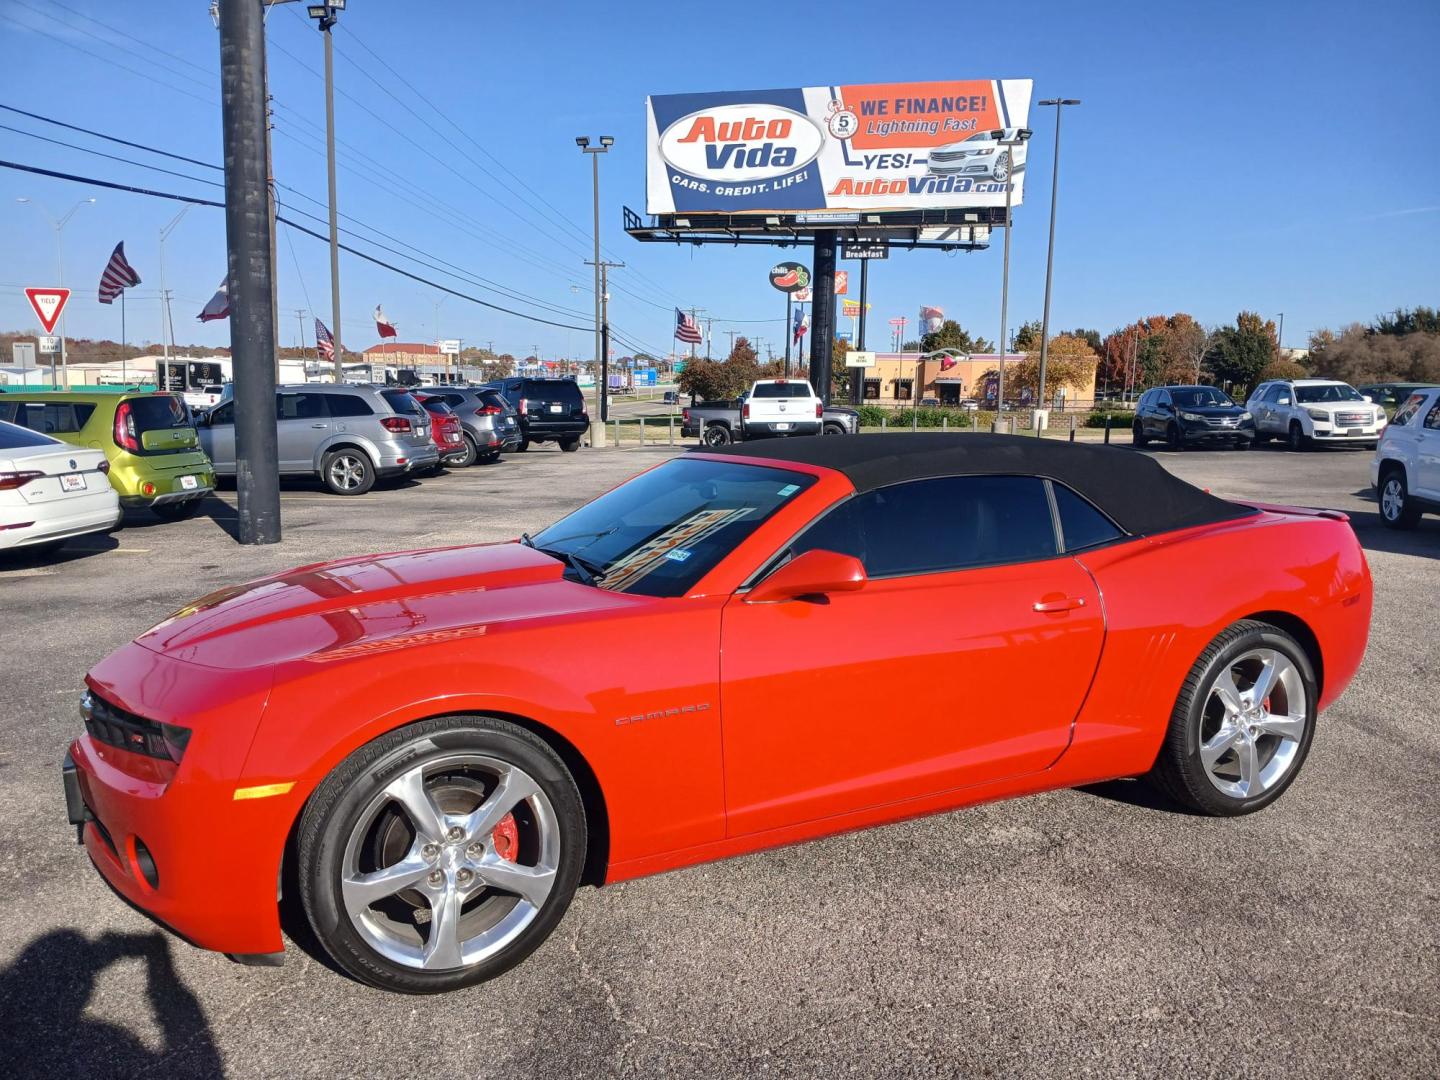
788, 489
678, 554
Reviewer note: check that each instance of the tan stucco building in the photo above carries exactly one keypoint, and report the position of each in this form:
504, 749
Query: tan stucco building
893, 378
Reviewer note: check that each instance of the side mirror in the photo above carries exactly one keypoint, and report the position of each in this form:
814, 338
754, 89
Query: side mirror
1369, 399
814, 573
202, 419
1282, 401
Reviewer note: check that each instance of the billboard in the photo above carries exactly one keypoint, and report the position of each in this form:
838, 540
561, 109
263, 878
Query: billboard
895, 146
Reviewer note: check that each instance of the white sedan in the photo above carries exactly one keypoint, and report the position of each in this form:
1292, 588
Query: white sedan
51, 491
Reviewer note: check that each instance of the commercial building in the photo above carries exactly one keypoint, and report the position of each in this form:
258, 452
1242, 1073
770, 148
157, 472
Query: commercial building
894, 377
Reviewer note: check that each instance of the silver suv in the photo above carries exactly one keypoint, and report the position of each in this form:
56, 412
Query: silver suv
346, 435
489, 420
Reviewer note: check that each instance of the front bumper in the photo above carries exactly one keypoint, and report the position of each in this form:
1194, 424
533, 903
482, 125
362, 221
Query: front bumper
1198, 433
1335, 433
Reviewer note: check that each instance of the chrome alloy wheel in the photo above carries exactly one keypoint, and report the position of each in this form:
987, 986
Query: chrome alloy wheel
450, 862
1253, 723
347, 472
1392, 498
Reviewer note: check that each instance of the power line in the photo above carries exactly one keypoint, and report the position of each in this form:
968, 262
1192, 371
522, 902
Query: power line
114, 186
112, 138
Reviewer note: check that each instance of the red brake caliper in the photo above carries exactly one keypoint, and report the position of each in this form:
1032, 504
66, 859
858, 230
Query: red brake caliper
506, 838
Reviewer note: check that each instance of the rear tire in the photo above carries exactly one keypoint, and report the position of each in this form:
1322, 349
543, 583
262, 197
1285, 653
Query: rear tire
716, 435
832, 429
441, 854
472, 454
570, 445
1235, 742
1397, 511
524, 445
347, 472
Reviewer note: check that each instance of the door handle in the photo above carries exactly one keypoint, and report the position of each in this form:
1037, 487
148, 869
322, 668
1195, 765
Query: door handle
1065, 603
319, 425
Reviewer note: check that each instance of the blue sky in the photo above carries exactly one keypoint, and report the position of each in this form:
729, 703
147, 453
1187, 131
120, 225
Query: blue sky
1270, 156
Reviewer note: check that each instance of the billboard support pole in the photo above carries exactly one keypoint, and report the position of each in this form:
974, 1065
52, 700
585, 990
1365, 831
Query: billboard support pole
822, 312
857, 377
789, 319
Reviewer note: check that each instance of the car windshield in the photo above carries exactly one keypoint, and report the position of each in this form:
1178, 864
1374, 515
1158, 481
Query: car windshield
1308, 395
1200, 397
662, 532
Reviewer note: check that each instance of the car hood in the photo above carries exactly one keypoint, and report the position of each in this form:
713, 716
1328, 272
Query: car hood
1212, 410
1333, 406
359, 606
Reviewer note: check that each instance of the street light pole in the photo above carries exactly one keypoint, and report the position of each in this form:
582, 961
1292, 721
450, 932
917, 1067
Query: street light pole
1059, 104
1019, 141
602, 365
326, 14
59, 227
164, 295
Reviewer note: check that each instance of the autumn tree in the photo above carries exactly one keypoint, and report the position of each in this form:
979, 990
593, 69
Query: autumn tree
705, 380
1070, 365
1359, 354
742, 352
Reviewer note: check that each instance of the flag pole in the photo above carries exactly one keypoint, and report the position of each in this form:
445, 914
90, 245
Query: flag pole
124, 361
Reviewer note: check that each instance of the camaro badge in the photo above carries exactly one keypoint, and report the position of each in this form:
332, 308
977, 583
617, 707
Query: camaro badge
661, 713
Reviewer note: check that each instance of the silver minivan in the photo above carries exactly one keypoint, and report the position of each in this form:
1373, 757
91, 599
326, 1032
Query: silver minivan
348, 435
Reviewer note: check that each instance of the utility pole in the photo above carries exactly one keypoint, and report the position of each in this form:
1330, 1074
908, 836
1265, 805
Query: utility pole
603, 390
1059, 104
252, 323
732, 342
325, 15
300, 318
694, 311
1014, 146
602, 333
1280, 334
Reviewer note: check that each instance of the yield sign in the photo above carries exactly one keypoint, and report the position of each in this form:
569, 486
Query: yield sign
48, 304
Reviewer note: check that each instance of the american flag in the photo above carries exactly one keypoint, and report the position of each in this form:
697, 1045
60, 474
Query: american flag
324, 342
119, 275
686, 328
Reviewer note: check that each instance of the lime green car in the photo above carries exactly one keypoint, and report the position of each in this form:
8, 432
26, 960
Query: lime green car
149, 439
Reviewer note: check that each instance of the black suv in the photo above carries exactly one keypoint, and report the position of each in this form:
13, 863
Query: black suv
550, 410
1181, 415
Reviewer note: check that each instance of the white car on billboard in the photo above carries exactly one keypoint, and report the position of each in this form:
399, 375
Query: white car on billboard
981, 156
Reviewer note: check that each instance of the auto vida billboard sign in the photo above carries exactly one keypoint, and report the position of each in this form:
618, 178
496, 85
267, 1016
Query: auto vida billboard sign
897, 146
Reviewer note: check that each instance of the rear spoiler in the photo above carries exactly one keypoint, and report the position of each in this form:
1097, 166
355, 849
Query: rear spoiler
1295, 511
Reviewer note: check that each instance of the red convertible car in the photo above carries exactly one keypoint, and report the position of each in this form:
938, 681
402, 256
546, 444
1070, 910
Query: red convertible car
735, 650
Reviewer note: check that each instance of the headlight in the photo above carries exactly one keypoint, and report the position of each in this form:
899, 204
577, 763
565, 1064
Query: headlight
1380, 416
1246, 416
1319, 414
985, 152
1196, 417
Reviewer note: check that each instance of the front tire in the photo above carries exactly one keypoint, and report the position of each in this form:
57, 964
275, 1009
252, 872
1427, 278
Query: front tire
441, 854
1397, 511
1137, 434
524, 445
347, 472
1295, 438
1173, 441
1242, 725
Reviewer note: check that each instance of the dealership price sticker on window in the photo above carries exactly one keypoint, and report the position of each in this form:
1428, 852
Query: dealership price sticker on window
895, 146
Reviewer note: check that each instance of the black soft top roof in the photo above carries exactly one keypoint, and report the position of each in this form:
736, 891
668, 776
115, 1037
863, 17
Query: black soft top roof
1132, 488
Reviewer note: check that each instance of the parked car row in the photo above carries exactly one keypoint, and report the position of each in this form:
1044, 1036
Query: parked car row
72, 461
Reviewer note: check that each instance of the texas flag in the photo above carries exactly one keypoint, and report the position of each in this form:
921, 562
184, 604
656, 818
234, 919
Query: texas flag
383, 326
802, 324
219, 305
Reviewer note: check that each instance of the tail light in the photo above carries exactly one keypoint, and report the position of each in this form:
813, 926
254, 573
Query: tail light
396, 423
125, 437
489, 410
745, 411
819, 410
9, 481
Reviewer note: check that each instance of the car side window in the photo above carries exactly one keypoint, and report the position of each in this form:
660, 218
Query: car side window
47, 417
1406, 412
343, 405
948, 523
300, 407
1081, 525
223, 414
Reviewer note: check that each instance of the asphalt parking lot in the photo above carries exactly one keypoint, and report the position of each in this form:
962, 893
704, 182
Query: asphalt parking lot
1097, 932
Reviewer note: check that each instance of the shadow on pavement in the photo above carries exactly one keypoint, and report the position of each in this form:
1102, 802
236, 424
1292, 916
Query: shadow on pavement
1135, 792
47, 1033
1423, 540
39, 556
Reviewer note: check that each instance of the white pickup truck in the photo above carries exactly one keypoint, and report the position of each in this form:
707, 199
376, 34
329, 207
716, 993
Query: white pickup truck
781, 407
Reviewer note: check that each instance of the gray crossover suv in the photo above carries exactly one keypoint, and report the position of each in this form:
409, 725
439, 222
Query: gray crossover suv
347, 435
489, 420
